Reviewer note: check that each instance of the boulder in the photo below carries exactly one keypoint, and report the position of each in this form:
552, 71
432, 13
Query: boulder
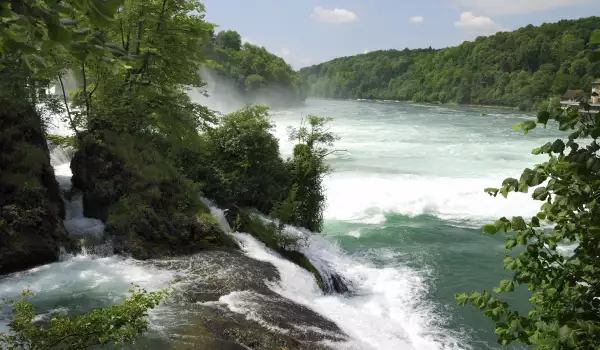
149, 208
31, 208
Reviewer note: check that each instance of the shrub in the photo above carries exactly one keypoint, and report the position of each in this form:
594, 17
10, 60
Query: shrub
115, 325
245, 156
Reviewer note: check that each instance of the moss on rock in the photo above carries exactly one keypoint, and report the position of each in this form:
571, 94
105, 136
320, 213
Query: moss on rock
149, 208
242, 220
31, 208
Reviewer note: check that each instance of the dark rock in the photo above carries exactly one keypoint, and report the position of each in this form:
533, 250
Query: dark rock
31, 207
95, 171
242, 221
337, 283
149, 208
272, 322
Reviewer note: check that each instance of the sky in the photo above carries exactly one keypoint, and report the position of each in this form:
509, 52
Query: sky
307, 32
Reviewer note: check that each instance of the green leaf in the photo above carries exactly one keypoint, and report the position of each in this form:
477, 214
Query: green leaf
523, 187
568, 336
490, 229
505, 286
522, 238
558, 146
57, 32
492, 191
461, 299
540, 193
511, 183
543, 117
528, 126
510, 263
510, 243
518, 223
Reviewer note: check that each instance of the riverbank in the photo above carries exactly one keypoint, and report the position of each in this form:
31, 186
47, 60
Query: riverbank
508, 108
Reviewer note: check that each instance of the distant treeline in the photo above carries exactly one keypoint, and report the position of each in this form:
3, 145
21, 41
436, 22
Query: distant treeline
517, 68
258, 74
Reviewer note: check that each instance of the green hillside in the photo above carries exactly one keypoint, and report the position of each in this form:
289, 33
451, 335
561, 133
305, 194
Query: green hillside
258, 74
516, 68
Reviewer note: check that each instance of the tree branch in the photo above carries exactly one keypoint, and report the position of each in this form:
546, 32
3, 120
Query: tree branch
62, 86
85, 95
122, 35
332, 152
97, 83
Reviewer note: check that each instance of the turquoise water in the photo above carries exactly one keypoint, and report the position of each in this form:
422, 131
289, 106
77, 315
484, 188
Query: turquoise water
405, 204
408, 191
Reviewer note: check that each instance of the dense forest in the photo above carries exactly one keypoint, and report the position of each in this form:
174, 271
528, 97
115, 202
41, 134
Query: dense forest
258, 75
516, 68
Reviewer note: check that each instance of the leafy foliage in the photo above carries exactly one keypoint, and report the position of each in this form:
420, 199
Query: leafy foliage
260, 75
244, 156
115, 325
307, 169
508, 69
565, 305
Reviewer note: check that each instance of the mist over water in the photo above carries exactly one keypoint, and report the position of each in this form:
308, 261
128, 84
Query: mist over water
221, 94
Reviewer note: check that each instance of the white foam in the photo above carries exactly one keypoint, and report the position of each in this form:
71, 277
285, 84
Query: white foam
103, 280
373, 195
75, 222
389, 310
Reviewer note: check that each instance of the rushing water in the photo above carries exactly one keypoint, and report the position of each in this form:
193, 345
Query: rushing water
404, 206
407, 195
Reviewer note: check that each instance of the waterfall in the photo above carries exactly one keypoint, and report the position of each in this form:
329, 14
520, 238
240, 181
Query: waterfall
75, 222
385, 309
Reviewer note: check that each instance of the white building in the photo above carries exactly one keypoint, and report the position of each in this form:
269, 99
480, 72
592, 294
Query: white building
572, 98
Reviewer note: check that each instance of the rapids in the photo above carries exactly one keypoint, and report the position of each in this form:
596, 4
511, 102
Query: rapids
404, 204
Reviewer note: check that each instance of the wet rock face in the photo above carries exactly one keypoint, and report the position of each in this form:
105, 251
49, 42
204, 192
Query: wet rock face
226, 303
149, 208
31, 208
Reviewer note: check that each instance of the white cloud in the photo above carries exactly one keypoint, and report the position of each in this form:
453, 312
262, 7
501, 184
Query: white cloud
296, 61
477, 25
336, 16
417, 19
246, 40
366, 51
504, 7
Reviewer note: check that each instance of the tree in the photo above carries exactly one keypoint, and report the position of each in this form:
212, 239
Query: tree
230, 40
258, 74
308, 168
508, 69
565, 307
115, 325
245, 156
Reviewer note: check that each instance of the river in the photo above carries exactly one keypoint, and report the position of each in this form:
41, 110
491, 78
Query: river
408, 193
405, 204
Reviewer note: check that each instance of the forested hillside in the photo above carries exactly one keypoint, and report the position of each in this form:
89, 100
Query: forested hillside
516, 68
259, 75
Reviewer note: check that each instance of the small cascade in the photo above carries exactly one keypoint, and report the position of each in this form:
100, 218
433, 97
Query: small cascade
386, 308
333, 281
75, 222
219, 214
